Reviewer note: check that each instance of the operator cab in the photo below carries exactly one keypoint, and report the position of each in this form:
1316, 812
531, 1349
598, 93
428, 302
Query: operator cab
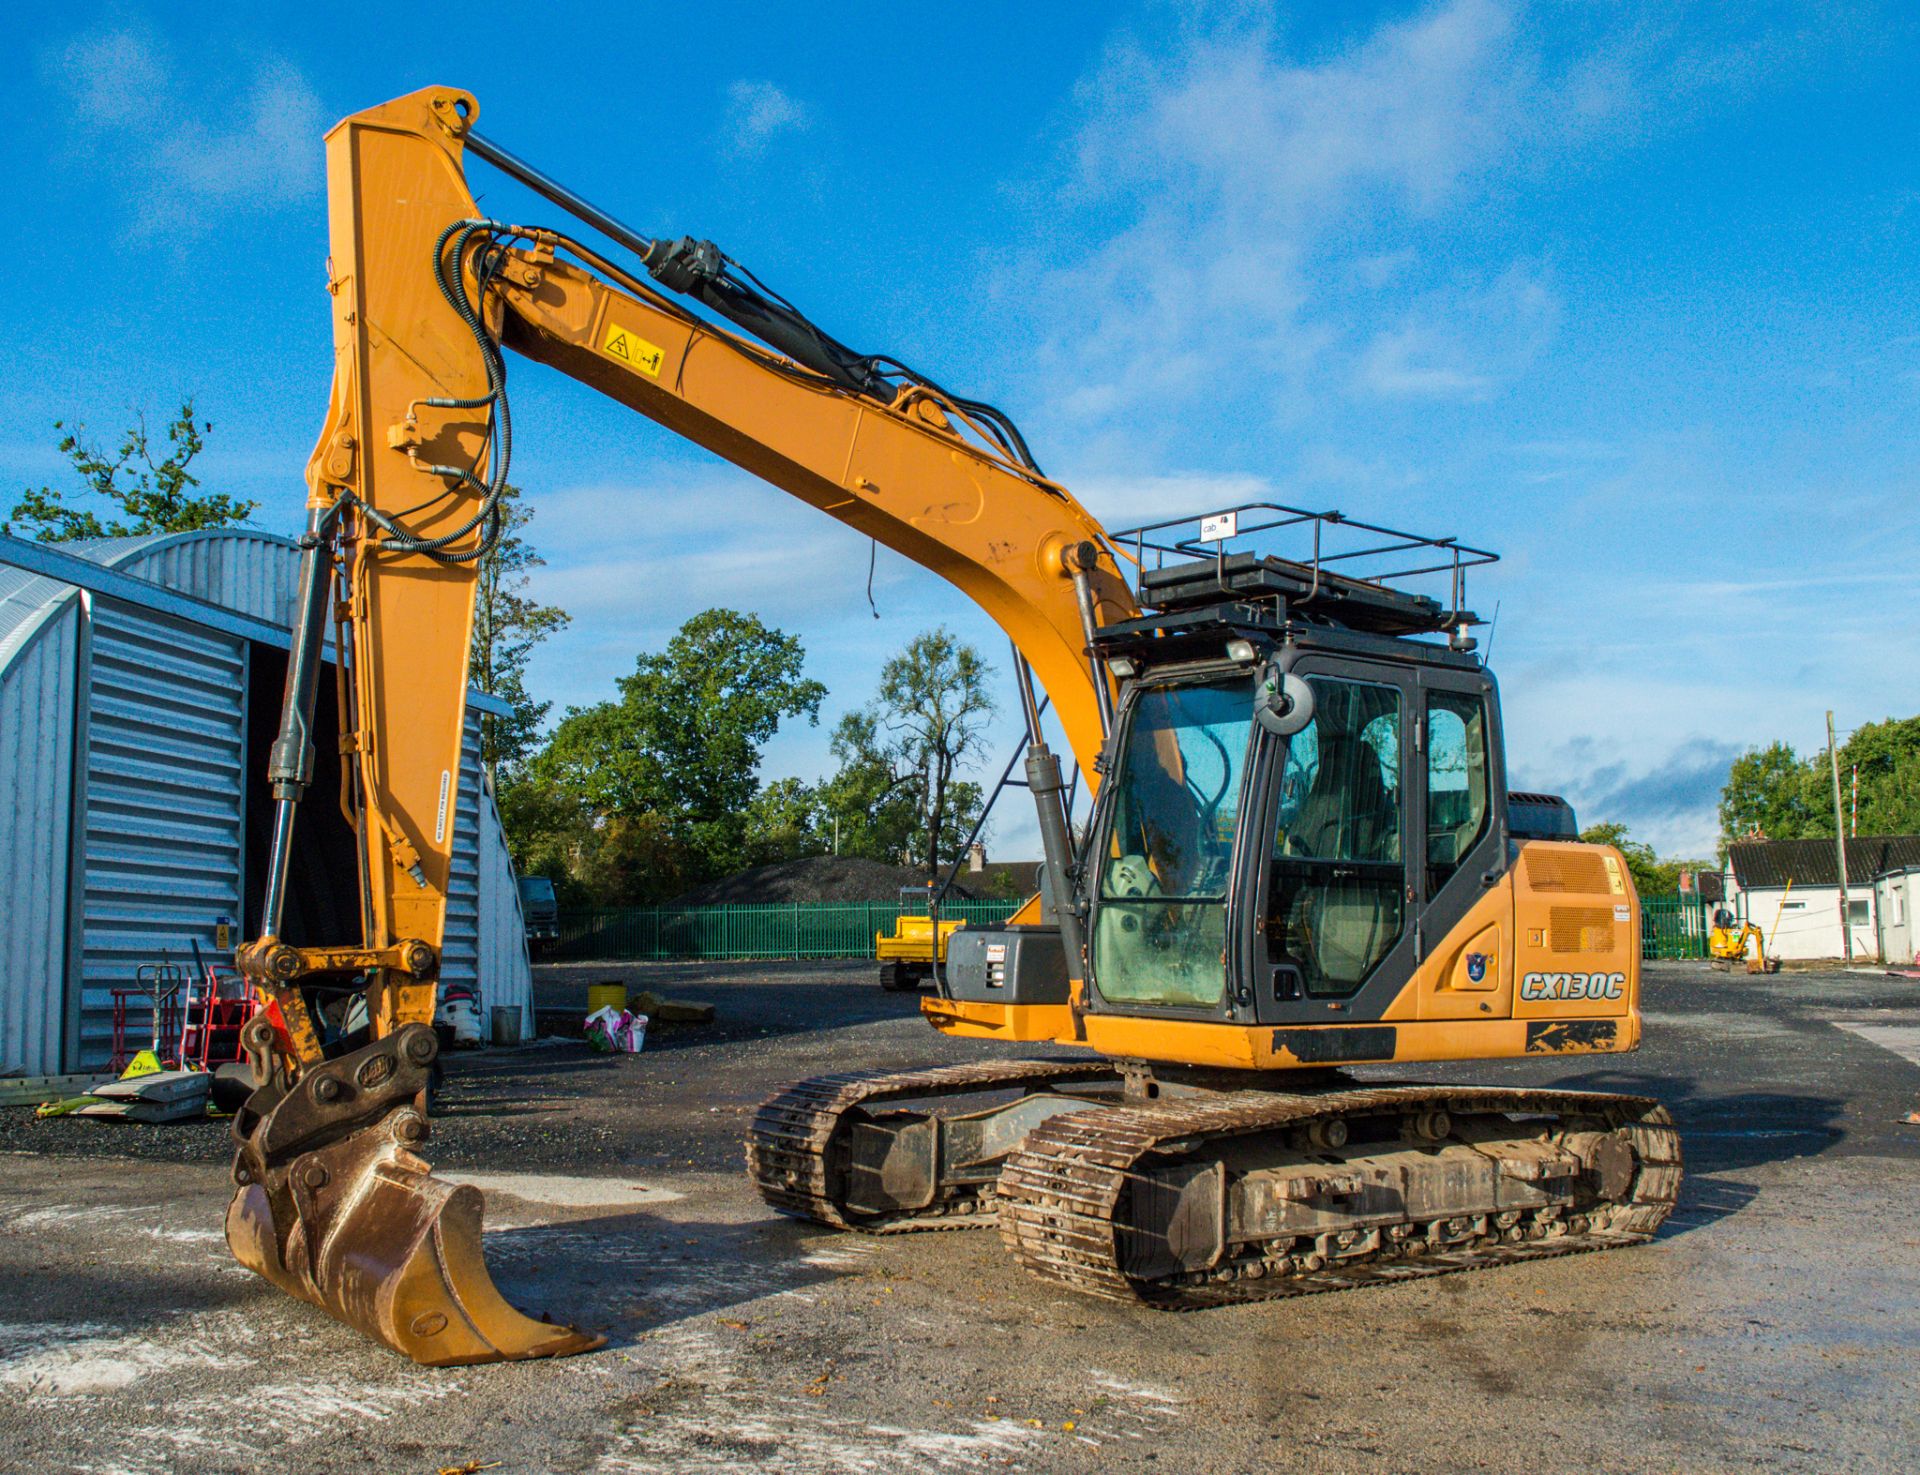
1289, 864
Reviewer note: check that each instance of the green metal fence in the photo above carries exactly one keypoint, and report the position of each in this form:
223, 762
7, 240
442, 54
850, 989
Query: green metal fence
1673, 927
1670, 927
828, 929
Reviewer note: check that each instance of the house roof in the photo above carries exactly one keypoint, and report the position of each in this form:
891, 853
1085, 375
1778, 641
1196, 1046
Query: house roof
1025, 876
1761, 864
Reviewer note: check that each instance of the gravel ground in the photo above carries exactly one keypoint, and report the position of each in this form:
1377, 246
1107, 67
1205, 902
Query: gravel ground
1774, 1324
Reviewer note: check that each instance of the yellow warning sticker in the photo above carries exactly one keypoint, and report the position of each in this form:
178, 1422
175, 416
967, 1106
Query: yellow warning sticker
1616, 883
631, 349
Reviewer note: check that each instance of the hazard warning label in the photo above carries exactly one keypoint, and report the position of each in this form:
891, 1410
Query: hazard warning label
630, 348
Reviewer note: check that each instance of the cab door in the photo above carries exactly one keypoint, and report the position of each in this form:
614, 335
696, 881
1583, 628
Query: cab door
1332, 934
1464, 933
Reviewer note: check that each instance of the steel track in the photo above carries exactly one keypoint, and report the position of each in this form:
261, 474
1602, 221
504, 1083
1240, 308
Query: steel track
1062, 1195
792, 1150
1062, 1209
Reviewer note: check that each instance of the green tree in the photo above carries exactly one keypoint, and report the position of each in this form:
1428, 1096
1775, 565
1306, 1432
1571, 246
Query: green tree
703, 710
866, 808
668, 775
593, 860
600, 757
899, 791
1004, 885
546, 831
1886, 755
1775, 793
150, 496
1651, 875
507, 624
782, 823
1772, 793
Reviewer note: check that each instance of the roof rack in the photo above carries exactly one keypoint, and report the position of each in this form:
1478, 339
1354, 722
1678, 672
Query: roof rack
1358, 573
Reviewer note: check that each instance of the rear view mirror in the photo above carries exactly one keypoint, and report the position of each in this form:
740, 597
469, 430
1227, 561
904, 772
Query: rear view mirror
1282, 702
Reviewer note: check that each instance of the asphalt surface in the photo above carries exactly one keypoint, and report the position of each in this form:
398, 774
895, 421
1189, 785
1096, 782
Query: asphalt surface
1774, 1324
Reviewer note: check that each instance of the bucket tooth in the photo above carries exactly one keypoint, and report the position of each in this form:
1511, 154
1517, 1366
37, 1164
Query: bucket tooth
368, 1234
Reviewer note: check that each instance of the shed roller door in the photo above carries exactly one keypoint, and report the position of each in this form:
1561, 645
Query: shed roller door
165, 756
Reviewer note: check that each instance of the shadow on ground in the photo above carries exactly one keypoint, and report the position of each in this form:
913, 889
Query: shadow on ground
629, 1274
1724, 1131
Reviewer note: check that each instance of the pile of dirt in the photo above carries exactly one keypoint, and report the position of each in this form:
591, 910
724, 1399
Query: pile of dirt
815, 878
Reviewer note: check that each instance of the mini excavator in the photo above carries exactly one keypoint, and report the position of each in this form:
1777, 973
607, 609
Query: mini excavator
1300, 856
1731, 941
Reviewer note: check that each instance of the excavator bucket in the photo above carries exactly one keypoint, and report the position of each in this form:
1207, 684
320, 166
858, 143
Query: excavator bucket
357, 1224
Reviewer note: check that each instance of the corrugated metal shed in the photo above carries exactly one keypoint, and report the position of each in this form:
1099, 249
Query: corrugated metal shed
1764, 864
37, 678
144, 671
486, 942
239, 569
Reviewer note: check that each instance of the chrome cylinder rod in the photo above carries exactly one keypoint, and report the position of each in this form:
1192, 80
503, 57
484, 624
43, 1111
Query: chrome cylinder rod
557, 193
290, 765
1056, 835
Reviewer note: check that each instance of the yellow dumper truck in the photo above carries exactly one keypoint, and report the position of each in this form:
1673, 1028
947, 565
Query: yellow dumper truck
908, 952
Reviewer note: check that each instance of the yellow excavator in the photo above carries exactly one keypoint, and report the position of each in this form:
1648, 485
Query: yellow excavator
1731, 941
1300, 855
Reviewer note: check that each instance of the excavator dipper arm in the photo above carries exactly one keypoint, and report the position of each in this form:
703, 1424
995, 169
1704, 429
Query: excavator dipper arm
405, 485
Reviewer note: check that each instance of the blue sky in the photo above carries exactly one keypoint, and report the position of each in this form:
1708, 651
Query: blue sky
1625, 293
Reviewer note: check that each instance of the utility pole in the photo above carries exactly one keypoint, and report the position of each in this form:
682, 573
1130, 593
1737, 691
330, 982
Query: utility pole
1840, 841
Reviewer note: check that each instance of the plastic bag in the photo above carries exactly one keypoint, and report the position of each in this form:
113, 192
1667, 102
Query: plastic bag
616, 1031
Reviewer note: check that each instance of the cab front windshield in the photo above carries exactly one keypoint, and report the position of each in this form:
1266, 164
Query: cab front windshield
1161, 932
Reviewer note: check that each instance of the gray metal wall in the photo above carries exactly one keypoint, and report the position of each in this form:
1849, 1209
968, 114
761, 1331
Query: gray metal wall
163, 791
486, 936
36, 784
506, 974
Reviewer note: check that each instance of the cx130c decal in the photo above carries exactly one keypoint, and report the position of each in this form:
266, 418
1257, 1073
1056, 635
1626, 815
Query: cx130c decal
1573, 986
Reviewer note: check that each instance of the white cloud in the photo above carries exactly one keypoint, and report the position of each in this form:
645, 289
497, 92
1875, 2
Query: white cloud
744, 571
1282, 230
1637, 719
112, 77
630, 562
1244, 178
190, 145
1131, 501
1636, 747
1415, 362
759, 112
1462, 342
267, 148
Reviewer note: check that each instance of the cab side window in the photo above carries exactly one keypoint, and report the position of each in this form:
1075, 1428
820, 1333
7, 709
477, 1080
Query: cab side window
1335, 905
1457, 770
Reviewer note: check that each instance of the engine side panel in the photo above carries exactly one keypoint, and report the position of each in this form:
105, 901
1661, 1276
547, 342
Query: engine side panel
1547, 962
